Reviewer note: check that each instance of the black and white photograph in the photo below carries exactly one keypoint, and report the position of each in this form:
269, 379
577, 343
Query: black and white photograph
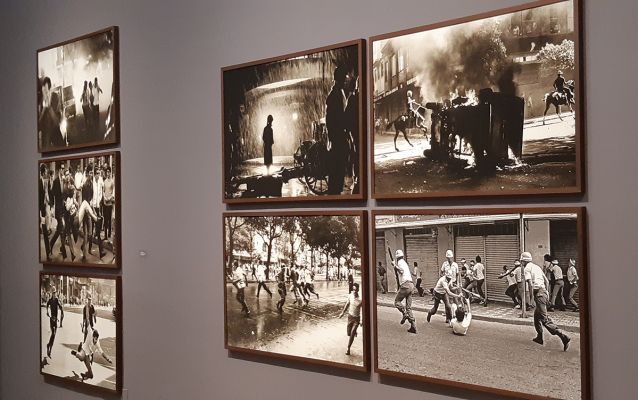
80, 332
79, 210
488, 105
295, 287
493, 300
78, 92
293, 126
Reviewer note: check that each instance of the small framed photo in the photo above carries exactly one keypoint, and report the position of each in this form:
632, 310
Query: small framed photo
293, 127
81, 330
295, 286
483, 106
78, 100
79, 210
495, 300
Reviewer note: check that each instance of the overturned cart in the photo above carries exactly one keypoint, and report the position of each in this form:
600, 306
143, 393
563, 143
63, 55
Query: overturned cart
491, 125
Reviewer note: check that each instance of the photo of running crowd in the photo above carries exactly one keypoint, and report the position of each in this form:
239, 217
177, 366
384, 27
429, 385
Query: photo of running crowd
501, 291
76, 93
290, 280
78, 205
78, 329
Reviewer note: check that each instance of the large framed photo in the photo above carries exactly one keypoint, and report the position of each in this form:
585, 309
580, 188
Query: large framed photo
78, 92
79, 210
293, 126
488, 105
81, 330
295, 286
492, 300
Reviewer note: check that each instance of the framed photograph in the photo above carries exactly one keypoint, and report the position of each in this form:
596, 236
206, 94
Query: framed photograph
492, 300
293, 126
79, 210
295, 286
81, 329
488, 105
78, 92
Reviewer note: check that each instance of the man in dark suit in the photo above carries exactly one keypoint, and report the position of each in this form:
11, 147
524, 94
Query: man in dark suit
336, 124
268, 139
43, 201
56, 199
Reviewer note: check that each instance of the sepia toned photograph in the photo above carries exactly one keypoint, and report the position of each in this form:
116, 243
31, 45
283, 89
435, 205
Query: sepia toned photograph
293, 126
78, 92
80, 331
295, 286
488, 105
79, 210
493, 300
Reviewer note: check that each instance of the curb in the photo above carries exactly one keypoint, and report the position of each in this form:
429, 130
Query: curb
527, 322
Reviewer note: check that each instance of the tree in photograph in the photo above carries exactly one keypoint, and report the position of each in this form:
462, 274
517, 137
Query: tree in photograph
294, 237
270, 229
233, 225
557, 57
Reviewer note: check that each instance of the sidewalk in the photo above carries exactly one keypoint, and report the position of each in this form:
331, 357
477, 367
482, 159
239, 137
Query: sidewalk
494, 312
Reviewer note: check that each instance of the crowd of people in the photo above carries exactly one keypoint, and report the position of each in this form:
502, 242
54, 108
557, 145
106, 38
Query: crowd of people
76, 207
529, 284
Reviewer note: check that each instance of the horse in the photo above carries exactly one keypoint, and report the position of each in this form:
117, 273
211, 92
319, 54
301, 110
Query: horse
558, 99
401, 123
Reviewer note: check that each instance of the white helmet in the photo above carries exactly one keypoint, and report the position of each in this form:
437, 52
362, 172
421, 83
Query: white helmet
572, 262
526, 256
449, 254
399, 253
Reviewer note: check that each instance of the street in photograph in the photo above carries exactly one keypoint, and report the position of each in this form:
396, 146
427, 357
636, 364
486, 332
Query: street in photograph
488, 105
77, 205
294, 286
292, 126
76, 93
489, 300
78, 329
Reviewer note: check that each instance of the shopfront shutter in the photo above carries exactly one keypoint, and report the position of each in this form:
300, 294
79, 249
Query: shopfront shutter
500, 250
423, 249
564, 245
380, 256
468, 247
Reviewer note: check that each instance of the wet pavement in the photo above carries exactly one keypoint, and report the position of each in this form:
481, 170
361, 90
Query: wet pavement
548, 161
494, 355
62, 363
494, 312
312, 331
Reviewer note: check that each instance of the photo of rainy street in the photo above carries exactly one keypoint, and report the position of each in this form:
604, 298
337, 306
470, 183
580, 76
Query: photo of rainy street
291, 126
484, 106
294, 286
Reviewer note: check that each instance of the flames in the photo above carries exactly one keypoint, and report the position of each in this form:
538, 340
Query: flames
470, 98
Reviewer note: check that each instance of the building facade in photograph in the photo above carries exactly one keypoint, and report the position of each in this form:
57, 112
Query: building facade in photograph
497, 239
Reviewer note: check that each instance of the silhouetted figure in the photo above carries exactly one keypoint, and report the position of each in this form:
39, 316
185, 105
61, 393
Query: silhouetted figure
268, 139
336, 125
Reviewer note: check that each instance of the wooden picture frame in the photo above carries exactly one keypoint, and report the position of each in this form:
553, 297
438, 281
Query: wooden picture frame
335, 301
62, 128
419, 226
110, 246
73, 380
293, 88
519, 154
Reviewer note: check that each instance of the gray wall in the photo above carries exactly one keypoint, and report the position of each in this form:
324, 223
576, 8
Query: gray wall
171, 53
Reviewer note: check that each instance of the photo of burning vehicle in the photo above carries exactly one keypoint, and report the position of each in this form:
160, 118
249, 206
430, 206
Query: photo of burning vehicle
77, 93
292, 126
484, 107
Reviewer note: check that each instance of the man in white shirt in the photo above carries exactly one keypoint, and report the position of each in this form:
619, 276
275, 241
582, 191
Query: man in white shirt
572, 279
512, 285
406, 287
478, 270
449, 267
260, 274
353, 305
461, 319
86, 352
538, 281
240, 281
442, 293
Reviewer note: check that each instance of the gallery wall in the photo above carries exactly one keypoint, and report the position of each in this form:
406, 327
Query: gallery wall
171, 53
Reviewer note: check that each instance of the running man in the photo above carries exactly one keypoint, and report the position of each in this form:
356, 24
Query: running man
310, 282
281, 289
52, 312
512, 286
89, 318
240, 281
86, 352
419, 278
538, 281
261, 279
353, 305
406, 287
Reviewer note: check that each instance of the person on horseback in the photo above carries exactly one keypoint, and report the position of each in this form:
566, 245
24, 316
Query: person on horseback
414, 110
561, 87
